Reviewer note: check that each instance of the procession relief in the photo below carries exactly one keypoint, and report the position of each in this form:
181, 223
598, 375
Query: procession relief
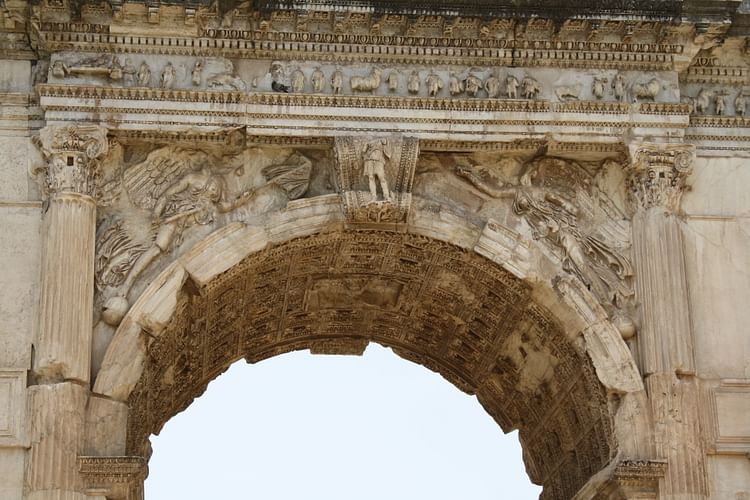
312, 78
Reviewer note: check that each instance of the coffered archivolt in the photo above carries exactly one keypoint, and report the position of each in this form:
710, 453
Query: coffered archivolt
551, 372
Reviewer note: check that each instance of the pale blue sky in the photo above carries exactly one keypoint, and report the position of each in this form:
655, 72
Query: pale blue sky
335, 428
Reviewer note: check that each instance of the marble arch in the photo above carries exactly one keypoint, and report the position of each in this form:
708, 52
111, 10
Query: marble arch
537, 194
561, 384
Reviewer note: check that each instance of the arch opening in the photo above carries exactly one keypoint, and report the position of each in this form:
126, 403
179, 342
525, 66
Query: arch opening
433, 303
371, 427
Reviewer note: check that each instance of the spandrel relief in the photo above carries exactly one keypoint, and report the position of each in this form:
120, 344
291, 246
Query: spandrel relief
560, 203
158, 201
563, 206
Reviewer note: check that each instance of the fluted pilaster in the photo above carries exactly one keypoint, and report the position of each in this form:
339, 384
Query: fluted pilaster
67, 289
63, 346
656, 180
56, 440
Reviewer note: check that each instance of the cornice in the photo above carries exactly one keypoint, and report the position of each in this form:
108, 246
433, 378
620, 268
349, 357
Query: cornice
366, 48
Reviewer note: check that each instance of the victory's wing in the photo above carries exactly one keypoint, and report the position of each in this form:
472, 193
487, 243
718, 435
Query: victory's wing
146, 181
293, 176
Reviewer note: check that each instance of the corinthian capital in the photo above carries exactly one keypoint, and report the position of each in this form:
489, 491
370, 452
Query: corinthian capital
72, 154
657, 176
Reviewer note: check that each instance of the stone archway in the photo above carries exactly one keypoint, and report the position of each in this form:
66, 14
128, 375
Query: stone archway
542, 360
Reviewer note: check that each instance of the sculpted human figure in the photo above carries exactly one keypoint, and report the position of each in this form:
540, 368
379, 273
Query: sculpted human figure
511, 87
192, 199
702, 101
618, 86
298, 81
318, 80
598, 88
414, 83
375, 158
434, 84
168, 76
555, 216
530, 88
337, 81
144, 75
720, 103
455, 86
473, 84
740, 103
128, 73
492, 86
393, 81
196, 75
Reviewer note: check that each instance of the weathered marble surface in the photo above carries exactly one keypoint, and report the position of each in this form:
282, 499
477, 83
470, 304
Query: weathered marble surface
549, 157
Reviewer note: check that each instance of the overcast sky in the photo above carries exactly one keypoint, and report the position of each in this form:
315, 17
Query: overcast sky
308, 427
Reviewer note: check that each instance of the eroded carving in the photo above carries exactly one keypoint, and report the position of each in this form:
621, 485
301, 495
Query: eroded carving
72, 155
657, 177
564, 207
176, 189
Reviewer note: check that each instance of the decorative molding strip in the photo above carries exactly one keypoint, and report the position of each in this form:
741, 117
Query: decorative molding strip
348, 47
720, 121
726, 75
361, 101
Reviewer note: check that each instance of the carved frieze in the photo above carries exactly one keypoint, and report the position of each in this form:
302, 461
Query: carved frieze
376, 176
657, 175
72, 155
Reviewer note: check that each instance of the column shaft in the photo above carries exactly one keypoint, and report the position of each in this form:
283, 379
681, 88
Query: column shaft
67, 289
665, 339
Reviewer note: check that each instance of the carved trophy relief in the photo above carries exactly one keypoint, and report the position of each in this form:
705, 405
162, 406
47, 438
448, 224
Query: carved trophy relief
375, 177
564, 207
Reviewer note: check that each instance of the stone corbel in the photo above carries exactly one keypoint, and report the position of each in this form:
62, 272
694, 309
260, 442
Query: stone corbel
376, 177
113, 478
72, 155
657, 175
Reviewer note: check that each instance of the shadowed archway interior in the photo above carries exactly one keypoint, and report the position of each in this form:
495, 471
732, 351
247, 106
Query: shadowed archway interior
433, 303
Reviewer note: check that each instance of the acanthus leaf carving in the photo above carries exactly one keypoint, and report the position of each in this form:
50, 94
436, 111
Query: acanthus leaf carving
72, 154
658, 174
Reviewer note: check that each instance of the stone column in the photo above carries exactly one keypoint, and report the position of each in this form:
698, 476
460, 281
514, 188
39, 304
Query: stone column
63, 347
656, 180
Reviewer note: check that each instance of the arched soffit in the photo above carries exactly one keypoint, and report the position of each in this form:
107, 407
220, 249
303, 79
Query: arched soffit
484, 329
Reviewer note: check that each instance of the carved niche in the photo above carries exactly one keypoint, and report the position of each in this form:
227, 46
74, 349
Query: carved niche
376, 177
